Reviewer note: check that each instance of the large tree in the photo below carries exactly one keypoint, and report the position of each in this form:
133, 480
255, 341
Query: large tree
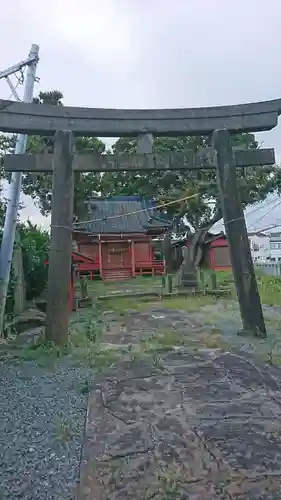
39, 186
203, 210
7, 145
196, 215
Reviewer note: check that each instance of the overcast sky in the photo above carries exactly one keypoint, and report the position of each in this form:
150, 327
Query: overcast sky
149, 53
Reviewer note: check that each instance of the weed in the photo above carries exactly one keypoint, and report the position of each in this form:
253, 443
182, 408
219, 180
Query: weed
272, 358
85, 387
170, 338
42, 352
101, 358
158, 362
170, 481
212, 341
121, 305
92, 332
189, 303
137, 354
270, 289
65, 429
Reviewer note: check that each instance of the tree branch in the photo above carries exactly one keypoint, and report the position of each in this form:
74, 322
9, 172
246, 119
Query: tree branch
216, 217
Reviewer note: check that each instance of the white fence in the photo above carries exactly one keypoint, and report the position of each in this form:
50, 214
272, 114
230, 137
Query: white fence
269, 268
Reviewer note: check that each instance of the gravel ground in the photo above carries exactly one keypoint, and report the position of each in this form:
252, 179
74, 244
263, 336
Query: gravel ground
42, 415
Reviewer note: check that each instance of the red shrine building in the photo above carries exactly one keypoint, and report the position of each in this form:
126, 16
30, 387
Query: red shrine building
117, 238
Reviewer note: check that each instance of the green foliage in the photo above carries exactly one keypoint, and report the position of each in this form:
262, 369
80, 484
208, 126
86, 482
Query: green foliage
255, 184
10, 293
39, 186
269, 286
35, 245
33, 240
7, 145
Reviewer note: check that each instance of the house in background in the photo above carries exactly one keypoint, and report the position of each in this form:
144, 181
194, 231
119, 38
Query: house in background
118, 236
275, 247
260, 246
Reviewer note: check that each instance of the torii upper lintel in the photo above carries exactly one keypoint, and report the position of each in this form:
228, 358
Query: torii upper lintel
43, 119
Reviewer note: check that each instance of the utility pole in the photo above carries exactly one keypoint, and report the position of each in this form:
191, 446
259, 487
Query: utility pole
15, 183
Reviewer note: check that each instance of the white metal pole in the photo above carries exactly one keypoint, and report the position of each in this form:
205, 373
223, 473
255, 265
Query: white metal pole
14, 189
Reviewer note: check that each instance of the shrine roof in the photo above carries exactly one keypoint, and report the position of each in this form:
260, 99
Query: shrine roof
123, 214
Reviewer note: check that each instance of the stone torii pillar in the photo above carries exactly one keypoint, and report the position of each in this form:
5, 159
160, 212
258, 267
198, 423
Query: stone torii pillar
238, 241
59, 271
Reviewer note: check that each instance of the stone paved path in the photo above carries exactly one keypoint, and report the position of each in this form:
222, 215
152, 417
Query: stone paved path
187, 421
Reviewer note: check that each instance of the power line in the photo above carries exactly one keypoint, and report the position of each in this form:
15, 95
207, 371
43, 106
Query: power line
266, 214
272, 226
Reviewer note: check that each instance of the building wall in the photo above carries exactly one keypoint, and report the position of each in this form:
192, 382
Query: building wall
260, 247
275, 247
219, 257
90, 250
143, 252
116, 254
116, 249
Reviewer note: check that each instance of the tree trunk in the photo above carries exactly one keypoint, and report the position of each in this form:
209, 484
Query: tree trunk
192, 256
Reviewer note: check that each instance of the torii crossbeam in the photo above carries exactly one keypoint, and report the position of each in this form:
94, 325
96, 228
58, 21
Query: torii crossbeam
125, 163
45, 119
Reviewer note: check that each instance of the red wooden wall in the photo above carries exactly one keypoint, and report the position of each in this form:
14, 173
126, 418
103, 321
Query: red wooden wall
144, 252
219, 255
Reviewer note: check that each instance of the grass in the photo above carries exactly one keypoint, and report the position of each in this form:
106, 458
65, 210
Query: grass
87, 325
121, 305
269, 286
84, 344
99, 287
270, 289
166, 341
66, 429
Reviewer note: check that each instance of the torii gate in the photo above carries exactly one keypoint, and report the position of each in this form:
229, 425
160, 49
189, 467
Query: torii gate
66, 122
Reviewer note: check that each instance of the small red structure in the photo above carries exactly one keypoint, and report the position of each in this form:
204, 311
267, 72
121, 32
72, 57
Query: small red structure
118, 238
218, 251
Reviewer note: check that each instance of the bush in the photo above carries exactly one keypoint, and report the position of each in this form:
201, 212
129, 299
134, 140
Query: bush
10, 294
35, 247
